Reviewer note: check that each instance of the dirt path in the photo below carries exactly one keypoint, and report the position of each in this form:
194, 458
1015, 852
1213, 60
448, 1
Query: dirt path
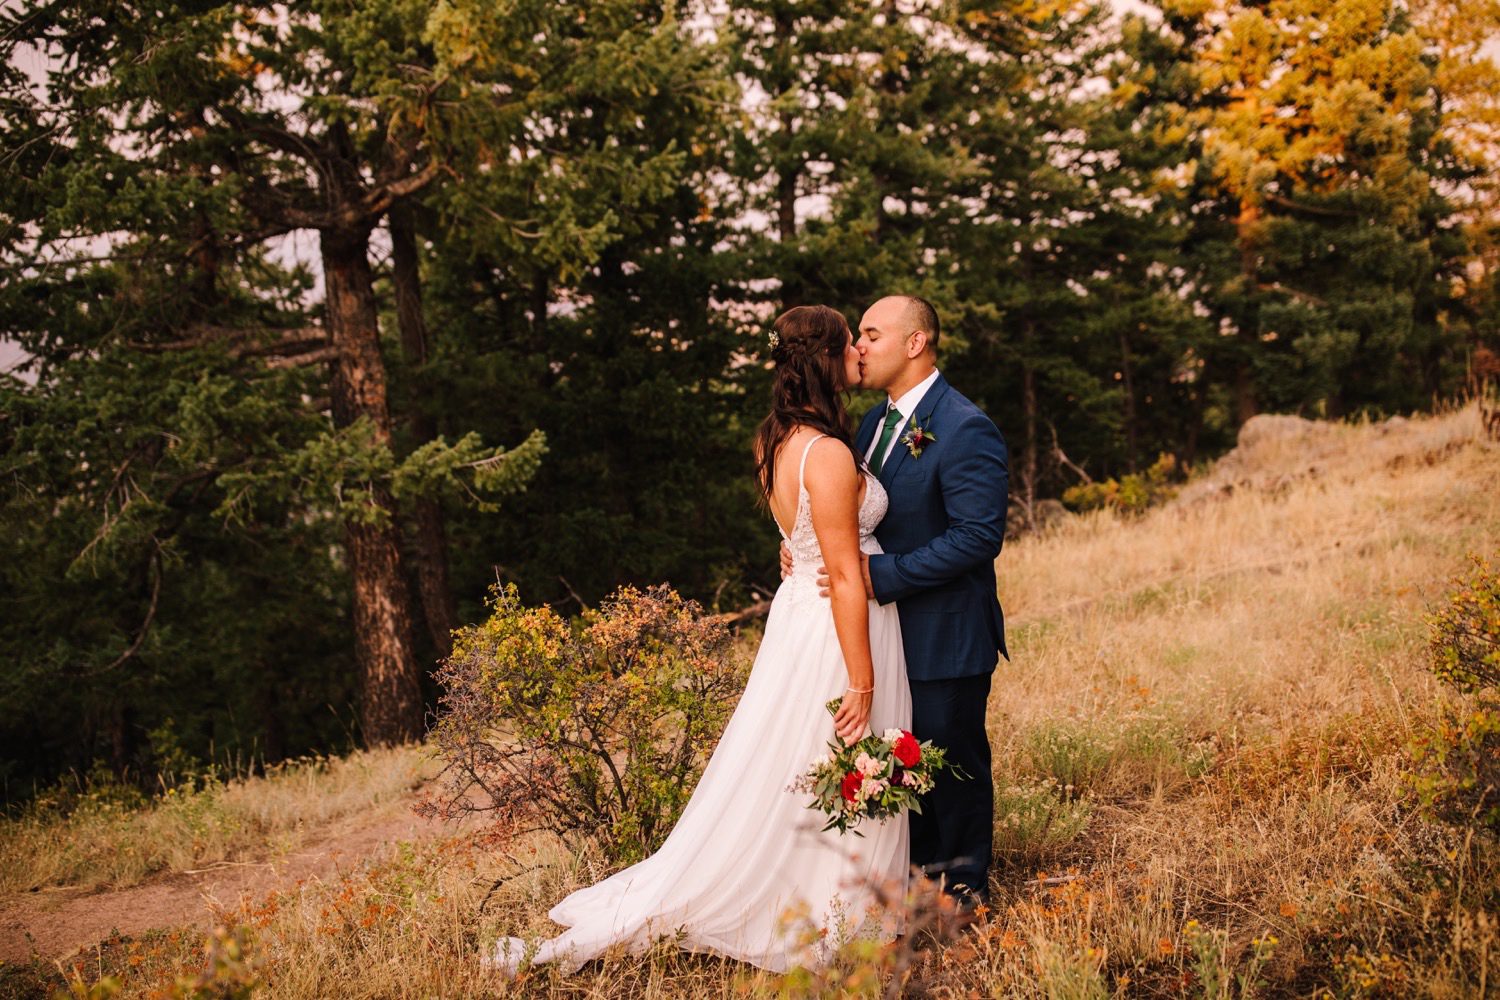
58, 921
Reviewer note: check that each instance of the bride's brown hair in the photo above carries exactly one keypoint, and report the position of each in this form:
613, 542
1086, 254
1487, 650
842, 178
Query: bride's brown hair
806, 387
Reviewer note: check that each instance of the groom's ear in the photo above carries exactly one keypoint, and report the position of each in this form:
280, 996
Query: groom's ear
916, 344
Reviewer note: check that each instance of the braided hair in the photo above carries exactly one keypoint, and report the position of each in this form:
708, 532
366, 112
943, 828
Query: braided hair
808, 349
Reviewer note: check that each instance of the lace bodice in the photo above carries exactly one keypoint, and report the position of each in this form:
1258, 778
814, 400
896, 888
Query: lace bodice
806, 555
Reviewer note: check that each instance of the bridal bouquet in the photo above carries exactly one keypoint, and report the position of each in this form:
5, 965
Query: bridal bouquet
874, 777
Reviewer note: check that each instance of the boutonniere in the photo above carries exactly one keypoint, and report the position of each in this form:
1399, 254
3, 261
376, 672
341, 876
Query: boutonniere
917, 438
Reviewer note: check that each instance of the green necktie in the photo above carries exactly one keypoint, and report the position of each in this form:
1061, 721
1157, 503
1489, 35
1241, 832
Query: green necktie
892, 421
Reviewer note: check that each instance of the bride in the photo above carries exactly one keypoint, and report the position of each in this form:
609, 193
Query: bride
747, 854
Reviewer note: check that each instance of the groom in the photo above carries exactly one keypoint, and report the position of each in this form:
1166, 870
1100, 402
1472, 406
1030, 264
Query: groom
943, 464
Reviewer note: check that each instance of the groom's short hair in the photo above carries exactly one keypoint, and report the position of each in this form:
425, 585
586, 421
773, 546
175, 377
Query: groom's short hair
923, 317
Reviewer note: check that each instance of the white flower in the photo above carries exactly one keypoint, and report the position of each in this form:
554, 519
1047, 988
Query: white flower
892, 735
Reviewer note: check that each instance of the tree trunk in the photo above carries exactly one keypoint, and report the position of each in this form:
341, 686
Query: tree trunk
1198, 404
786, 203
1245, 405
390, 679
541, 295
786, 162
1244, 393
269, 703
1132, 433
121, 747
429, 542
1029, 447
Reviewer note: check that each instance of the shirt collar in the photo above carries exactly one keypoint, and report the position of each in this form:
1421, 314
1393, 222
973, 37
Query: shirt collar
907, 404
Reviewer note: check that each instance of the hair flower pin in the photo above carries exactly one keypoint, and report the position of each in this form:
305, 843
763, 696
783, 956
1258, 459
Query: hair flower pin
775, 340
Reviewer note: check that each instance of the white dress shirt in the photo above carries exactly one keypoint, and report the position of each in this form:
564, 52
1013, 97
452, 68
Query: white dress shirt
907, 404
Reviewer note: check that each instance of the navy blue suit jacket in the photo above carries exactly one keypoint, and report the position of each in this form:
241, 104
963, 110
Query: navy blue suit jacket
941, 535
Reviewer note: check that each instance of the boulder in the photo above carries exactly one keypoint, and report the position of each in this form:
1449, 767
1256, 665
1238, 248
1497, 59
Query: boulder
1265, 427
1392, 424
1050, 512
1044, 513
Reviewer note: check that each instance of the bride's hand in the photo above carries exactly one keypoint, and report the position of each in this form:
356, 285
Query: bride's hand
853, 716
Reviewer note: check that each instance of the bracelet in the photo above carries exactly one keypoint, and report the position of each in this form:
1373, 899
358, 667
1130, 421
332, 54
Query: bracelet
854, 690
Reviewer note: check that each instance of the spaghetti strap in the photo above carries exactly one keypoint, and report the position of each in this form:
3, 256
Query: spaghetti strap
801, 489
802, 467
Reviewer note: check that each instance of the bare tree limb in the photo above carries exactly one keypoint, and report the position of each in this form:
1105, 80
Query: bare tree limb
154, 568
1300, 296
1297, 206
1062, 457
304, 360
244, 341
377, 201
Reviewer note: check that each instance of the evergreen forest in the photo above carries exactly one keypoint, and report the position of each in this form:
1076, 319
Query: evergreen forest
320, 318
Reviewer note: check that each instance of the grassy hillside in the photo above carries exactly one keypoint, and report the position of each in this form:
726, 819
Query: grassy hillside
1200, 746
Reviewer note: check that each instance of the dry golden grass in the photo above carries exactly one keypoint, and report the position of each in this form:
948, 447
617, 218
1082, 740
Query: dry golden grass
1264, 609
102, 838
1199, 744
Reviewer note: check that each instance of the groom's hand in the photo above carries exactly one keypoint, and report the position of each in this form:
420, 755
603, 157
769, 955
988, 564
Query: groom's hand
864, 571
786, 560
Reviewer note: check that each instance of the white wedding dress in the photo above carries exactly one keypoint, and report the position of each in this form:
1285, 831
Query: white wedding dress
747, 855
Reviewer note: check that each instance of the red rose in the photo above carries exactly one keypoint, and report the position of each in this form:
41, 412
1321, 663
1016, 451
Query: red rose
849, 787
907, 750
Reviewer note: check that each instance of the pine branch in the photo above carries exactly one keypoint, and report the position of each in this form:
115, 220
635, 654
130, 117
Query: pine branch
1298, 206
243, 340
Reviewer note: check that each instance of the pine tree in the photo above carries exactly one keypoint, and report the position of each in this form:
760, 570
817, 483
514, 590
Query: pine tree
1467, 91
206, 133
1321, 125
573, 274
855, 135
1052, 240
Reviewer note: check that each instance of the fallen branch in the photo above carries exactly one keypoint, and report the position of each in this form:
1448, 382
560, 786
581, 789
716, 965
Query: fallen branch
220, 865
746, 614
1055, 880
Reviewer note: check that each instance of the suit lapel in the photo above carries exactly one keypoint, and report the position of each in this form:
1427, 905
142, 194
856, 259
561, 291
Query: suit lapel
923, 417
898, 451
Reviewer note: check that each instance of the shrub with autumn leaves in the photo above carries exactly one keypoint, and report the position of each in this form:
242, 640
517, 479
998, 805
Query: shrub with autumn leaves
596, 728
1458, 761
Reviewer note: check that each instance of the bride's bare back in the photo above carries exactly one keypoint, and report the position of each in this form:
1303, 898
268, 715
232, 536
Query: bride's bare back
785, 495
